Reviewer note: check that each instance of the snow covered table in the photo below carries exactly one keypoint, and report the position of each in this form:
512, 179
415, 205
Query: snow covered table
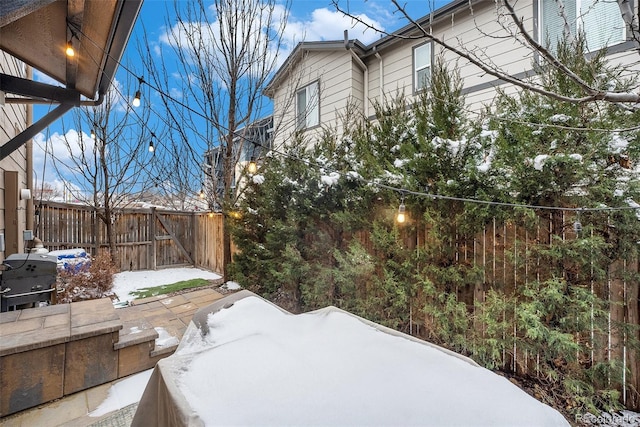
244, 361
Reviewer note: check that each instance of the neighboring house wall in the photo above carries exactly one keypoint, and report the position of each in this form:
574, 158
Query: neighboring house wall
482, 28
253, 141
340, 82
478, 29
13, 169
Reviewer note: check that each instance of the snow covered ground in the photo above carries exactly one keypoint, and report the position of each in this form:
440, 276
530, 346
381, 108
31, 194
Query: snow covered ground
129, 390
128, 281
123, 393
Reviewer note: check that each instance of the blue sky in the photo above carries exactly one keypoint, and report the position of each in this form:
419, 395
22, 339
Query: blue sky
308, 20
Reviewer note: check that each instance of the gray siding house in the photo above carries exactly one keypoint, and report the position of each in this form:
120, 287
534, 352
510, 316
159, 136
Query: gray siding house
320, 80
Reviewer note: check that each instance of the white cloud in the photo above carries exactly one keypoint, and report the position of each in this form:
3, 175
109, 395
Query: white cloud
39, 76
323, 24
62, 148
327, 24
211, 37
175, 93
191, 34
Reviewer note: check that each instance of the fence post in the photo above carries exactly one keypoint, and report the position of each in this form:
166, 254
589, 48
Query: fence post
194, 250
152, 235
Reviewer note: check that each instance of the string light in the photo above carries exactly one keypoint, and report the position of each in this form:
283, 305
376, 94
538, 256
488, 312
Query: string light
138, 95
152, 148
201, 193
69, 50
577, 226
401, 217
253, 167
93, 133
136, 99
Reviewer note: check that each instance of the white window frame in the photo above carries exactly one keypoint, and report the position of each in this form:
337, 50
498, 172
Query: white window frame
586, 16
422, 59
308, 106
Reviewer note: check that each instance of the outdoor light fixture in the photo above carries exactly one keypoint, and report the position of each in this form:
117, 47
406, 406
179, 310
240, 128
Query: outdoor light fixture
401, 216
152, 147
577, 227
253, 167
136, 98
69, 51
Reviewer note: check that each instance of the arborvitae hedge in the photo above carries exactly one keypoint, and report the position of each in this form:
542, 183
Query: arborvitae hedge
316, 226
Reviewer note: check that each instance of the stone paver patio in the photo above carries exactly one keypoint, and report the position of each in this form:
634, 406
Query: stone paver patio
24, 329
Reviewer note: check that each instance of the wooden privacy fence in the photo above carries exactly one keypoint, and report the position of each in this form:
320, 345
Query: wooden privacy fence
145, 239
507, 254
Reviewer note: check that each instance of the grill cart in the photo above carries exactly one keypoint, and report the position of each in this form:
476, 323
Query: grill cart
28, 279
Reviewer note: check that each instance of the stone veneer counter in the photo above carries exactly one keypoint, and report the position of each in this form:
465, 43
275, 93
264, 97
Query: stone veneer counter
53, 351
34, 328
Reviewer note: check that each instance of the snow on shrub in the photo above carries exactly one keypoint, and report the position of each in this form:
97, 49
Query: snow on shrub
90, 281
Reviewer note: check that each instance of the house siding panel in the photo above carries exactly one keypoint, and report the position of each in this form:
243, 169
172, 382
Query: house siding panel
334, 71
13, 118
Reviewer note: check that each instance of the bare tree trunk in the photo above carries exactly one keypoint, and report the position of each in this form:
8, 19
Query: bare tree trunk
229, 47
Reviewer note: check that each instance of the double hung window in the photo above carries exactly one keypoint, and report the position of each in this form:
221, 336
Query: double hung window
421, 66
599, 20
308, 106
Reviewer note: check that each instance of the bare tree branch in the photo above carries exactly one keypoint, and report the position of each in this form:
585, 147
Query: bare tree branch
226, 51
109, 167
590, 94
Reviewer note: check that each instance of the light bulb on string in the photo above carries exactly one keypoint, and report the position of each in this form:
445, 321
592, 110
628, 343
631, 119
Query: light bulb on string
138, 95
577, 225
136, 99
401, 216
93, 134
152, 147
252, 167
201, 193
69, 50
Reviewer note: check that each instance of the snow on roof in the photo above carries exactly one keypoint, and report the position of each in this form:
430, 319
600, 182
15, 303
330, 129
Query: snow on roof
254, 364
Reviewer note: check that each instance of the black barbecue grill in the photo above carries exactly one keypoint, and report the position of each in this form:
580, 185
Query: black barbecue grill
27, 279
